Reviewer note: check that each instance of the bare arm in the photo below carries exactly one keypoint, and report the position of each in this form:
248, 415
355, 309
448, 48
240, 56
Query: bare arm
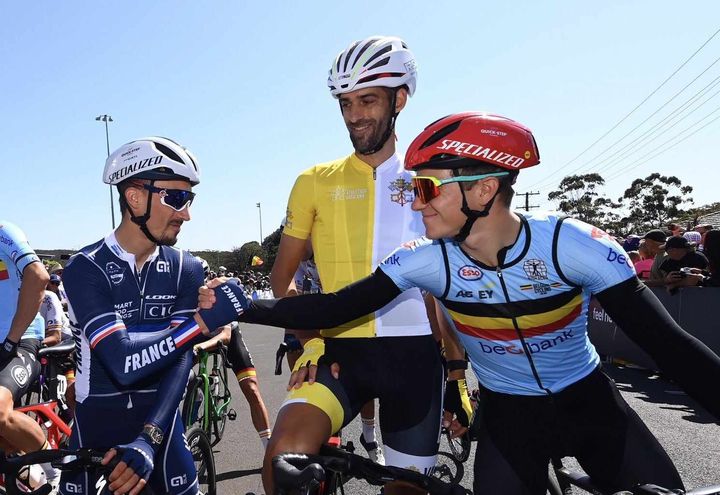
223, 336
291, 252
32, 290
454, 351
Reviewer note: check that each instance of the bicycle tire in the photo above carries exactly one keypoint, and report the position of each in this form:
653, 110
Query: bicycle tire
202, 453
220, 412
189, 415
459, 447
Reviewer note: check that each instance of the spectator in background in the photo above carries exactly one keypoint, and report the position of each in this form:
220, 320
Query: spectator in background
702, 230
631, 243
693, 237
680, 254
644, 264
675, 230
654, 244
221, 271
711, 276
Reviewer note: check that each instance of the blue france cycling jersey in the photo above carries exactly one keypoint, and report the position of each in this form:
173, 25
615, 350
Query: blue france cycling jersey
531, 311
15, 255
107, 294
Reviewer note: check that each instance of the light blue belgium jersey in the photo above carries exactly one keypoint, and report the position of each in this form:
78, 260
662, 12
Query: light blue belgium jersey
529, 312
15, 255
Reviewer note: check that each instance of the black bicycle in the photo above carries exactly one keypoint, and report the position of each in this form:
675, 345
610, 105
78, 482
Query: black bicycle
63, 459
204, 458
328, 472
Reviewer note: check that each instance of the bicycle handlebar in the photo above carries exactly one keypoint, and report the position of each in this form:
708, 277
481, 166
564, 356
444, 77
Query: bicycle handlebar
279, 355
63, 459
291, 471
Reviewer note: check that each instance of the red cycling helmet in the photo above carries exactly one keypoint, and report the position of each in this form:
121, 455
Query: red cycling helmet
494, 140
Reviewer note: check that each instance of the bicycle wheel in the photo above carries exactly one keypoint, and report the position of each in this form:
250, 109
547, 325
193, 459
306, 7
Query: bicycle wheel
202, 454
193, 408
460, 446
221, 408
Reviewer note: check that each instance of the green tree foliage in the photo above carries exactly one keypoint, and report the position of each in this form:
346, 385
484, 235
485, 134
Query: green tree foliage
215, 259
654, 201
244, 255
270, 244
579, 196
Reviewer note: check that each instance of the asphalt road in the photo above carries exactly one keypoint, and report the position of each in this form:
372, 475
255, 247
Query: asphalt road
687, 432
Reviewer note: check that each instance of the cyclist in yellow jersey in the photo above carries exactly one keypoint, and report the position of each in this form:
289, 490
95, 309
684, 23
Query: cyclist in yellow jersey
355, 209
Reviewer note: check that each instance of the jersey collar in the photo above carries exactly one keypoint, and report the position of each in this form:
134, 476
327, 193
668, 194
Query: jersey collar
509, 255
126, 256
392, 164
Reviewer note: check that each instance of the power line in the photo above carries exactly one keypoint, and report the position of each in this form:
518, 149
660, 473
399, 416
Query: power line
635, 164
631, 111
644, 121
655, 131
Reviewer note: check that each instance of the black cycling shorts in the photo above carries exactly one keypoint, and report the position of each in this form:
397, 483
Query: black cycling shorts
22, 371
589, 420
239, 357
405, 374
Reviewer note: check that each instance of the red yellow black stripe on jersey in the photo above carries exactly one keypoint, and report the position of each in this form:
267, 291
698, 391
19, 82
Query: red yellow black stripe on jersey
4, 274
534, 317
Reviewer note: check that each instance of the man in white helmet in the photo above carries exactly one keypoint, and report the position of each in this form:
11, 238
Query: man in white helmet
132, 302
357, 209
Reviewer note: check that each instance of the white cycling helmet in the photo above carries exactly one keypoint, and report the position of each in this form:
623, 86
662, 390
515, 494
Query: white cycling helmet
205, 265
376, 61
153, 158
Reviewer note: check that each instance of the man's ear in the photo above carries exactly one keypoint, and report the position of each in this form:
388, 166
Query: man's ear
401, 97
484, 190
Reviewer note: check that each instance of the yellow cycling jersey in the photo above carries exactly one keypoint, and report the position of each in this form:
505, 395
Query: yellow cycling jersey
357, 215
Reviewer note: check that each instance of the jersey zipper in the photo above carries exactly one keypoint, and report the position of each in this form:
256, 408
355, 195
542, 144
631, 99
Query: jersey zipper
525, 346
374, 173
142, 289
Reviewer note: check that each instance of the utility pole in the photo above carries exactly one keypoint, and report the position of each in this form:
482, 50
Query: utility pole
527, 200
106, 119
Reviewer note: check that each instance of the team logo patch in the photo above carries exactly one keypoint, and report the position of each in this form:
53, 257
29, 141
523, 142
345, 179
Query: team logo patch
469, 272
401, 191
597, 233
287, 221
535, 269
115, 272
20, 375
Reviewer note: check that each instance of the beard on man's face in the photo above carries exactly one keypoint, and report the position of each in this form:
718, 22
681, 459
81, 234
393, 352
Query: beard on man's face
366, 140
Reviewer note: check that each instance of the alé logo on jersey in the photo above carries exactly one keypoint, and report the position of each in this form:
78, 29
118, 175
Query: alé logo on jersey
469, 272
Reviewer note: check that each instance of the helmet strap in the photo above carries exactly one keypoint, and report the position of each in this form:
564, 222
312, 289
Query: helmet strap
472, 215
141, 220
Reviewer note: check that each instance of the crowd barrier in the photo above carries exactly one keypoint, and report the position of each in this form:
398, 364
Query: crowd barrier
696, 309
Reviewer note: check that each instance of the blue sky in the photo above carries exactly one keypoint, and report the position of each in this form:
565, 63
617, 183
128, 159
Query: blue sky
242, 84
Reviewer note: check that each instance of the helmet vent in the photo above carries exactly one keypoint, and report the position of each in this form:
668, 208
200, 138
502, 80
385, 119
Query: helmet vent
349, 54
380, 63
168, 152
379, 54
440, 134
367, 45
